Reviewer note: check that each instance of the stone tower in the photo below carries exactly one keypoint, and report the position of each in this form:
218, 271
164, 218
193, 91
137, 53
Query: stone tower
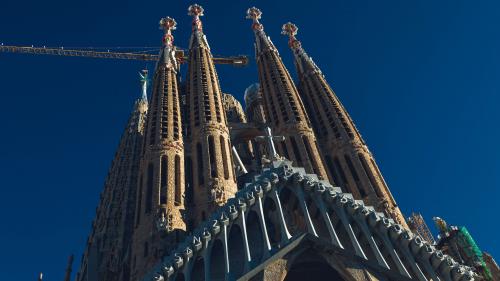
159, 220
213, 175
346, 155
284, 109
235, 117
107, 253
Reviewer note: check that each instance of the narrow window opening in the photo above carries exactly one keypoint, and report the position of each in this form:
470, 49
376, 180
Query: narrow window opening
310, 155
211, 154
139, 202
146, 249
189, 180
199, 160
224, 157
338, 167
296, 151
149, 195
354, 174
164, 179
178, 195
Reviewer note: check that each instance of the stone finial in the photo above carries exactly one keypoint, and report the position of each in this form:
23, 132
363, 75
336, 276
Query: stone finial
168, 24
290, 30
196, 11
255, 14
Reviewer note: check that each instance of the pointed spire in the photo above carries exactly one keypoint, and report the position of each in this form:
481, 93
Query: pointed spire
197, 37
262, 41
167, 54
303, 62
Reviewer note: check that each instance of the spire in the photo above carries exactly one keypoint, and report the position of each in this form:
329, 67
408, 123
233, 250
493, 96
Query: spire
160, 200
167, 54
285, 110
262, 41
197, 37
207, 130
349, 162
303, 62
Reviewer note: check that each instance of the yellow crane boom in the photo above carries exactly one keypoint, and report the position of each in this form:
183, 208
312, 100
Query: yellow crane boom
233, 60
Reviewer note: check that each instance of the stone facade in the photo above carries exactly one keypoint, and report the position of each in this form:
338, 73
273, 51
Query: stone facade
178, 203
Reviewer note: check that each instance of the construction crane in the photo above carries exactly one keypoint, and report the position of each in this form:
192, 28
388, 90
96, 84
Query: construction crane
61, 51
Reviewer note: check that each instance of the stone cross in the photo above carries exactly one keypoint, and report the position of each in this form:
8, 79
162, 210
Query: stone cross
269, 138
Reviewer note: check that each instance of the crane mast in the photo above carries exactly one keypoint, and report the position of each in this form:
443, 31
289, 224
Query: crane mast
233, 60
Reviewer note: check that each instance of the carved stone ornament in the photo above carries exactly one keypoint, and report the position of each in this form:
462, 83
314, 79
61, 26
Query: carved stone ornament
164, 220
217, 194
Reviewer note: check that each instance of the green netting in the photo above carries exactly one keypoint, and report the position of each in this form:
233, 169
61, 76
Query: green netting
470, 248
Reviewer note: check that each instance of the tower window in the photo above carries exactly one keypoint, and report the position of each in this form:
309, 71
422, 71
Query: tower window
296, 151
224, 157
331, 169
149, 195
164, 179
199, 159
189, 179
211, 154
310, 155
146, 249
139, 202
177, 195
338, 167
354, 174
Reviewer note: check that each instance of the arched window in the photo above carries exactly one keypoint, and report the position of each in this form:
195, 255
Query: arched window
149, 192
164, 179
199, 160
178, 195
224, 157
211, 154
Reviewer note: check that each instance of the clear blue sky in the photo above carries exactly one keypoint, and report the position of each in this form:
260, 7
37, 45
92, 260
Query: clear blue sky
420, 79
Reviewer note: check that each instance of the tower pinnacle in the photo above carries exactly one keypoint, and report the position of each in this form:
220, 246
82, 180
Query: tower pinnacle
168, 24
196, 11
167, 54
255, 14
290, 30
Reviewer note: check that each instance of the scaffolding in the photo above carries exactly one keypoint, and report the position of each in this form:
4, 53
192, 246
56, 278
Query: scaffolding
417, 223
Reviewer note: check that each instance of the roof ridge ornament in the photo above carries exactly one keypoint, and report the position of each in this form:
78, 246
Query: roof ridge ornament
168, 24
255, 14
196, 11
